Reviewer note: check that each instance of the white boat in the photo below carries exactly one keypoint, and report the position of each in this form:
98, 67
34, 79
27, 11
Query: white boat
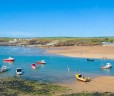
3, 69
107, 66
19, 71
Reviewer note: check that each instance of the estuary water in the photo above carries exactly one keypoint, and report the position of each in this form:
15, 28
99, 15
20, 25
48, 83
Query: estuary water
58, 69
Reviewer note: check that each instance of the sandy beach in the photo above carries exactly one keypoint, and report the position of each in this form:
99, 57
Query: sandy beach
85, 51
98, 84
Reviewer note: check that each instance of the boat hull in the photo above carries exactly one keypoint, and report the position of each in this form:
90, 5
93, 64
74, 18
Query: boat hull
40, 62
90, 59
8, 60
3, 69
108, 66
84, 79
34, 66
19, 71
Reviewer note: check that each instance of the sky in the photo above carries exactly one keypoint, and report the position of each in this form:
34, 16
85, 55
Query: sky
53, 18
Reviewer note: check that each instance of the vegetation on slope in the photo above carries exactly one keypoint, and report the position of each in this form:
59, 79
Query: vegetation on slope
61, 41
21, 87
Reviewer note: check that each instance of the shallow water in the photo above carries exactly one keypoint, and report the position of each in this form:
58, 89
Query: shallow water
58, 69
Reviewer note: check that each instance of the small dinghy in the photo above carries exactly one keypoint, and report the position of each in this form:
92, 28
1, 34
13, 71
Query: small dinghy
34, 66
19, 71
3, 69
90, 59
107, 66
82, 78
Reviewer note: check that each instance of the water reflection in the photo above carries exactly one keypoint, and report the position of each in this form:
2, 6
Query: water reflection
106, 70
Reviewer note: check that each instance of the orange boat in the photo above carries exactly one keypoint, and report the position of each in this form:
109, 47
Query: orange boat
9, 59
41, 62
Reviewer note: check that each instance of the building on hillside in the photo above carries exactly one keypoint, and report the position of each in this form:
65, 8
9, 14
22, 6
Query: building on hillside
52, 43
108, 43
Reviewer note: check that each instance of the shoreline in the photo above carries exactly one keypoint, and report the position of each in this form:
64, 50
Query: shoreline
97, 84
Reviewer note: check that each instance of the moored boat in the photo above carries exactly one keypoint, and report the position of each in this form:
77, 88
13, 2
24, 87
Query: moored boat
10, 59
107, 66
34, 66
41, 62
82, 78
19, 71
90, 59
3, 69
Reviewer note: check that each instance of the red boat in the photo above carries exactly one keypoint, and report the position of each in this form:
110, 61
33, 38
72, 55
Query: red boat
9, 59
34, 66
41, 62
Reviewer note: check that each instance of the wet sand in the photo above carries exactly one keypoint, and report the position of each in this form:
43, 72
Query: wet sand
98, 84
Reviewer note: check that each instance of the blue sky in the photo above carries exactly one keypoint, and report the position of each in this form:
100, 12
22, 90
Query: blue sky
51, 18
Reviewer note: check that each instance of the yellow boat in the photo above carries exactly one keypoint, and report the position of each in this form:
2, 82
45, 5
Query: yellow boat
82, 78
